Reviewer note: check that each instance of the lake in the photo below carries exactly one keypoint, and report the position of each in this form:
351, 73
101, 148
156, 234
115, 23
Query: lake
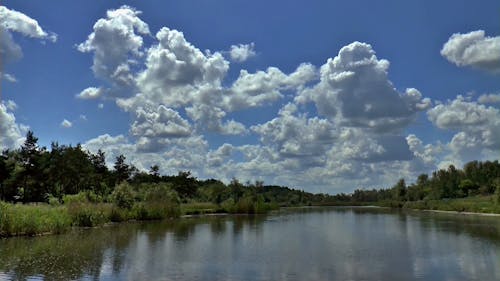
291, 244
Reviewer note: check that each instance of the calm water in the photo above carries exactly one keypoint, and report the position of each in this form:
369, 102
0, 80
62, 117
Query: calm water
304, 244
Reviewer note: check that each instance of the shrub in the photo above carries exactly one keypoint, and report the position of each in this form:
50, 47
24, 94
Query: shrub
88, 214
123, 196
80, 197
118, 214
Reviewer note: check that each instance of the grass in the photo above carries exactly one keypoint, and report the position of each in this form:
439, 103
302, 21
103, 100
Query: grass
243, 206
477, 204
37, 219
32, 219
200, 208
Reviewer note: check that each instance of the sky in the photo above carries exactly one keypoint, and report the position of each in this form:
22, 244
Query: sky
324, 96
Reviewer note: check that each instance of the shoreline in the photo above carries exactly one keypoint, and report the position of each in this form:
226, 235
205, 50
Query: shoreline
457, 212
187, 216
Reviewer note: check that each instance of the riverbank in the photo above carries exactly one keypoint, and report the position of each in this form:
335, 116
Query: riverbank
42, 219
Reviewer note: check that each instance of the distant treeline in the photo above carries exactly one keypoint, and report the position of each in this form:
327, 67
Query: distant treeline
37, 174
476, 178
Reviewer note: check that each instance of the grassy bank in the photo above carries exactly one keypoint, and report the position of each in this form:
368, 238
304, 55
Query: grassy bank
244, 206
79, 211
38, 219
478, 204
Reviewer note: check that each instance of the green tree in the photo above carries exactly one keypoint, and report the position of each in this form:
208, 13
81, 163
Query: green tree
185, 184
467, 187
29, 157
399, 190
122, 169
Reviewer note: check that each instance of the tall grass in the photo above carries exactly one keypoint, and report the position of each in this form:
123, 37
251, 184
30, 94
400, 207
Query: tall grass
478, 204
32, 219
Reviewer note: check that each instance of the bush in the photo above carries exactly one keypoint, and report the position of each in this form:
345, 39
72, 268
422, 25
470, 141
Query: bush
80, 197
54, 201
89, 214
118, 214
123, 196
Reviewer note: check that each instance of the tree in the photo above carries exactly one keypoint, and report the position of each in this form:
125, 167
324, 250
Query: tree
99, 162
122, 170
4, 174
154, 172
185, 184
29, 157
400, 190
467, 187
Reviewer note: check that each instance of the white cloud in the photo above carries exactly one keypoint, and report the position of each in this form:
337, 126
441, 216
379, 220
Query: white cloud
66, 124
473, 49
489, 98
177, 72
220, 155
181, 93
100, 105
91, 93
460, 114
242, 52
14, 21
477, 129
294, 136
177, 154
264, 87
8, 77
115, 41
159, 122
11, 133
355, 91
10, 105
209, 118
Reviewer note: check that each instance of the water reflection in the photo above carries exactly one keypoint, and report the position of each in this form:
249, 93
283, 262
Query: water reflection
292, 244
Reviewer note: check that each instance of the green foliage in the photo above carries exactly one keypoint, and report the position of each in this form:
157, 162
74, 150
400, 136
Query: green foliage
477, 204
89, 214
32, 219
54, 201
497, 191
123, 196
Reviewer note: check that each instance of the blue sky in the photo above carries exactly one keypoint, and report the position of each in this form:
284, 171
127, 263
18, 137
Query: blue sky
320, 95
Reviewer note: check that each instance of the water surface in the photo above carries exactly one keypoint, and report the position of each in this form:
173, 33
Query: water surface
298, 244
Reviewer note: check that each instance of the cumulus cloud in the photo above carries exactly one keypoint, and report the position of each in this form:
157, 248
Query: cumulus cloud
297, 136
262, 87
242, 52
473, 49
181, 93
11, 133
159, 122
115, 41
14, 21
219, 156
177, 72
210, 118
91, 93
8, 77
489, 98
66, 124
355, 91
477, 129
461, 114
178, 154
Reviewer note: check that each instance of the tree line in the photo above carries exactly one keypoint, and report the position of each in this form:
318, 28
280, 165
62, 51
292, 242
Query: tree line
474, 179
36, 174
